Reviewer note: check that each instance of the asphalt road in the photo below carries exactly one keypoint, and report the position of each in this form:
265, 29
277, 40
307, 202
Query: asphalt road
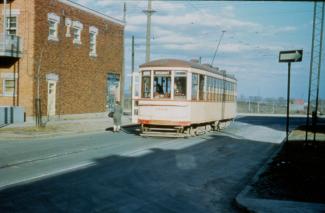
123, 172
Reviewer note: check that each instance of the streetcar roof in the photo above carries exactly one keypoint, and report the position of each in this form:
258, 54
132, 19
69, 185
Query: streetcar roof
185, 64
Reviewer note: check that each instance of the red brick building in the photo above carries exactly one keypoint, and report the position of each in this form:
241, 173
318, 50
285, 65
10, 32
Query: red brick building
64, 54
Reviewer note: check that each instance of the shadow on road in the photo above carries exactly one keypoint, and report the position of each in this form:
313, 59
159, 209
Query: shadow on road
129, 129
276, 123
201, 178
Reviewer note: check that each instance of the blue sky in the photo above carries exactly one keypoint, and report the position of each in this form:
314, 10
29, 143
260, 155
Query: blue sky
255, 33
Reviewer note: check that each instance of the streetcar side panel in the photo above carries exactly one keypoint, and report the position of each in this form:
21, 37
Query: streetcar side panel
204, 112
168, 113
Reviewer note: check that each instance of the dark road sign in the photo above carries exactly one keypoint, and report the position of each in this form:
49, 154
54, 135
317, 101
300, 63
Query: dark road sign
290, 56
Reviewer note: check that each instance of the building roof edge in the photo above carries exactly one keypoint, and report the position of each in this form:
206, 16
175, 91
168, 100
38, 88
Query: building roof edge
94, 12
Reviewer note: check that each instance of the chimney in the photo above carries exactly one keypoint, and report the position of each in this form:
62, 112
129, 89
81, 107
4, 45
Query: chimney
196, 61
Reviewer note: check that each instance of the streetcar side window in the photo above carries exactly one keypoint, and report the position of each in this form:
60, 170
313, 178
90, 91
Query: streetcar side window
146, 84
162, 81
180, 85
214, 89
195, 86
218, 90
201, 88
208, 88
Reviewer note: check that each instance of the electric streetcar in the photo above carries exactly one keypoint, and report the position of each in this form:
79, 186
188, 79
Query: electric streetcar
181, 98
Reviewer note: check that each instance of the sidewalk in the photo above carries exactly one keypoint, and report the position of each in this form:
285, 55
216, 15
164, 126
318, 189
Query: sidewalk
251, 198
61, 127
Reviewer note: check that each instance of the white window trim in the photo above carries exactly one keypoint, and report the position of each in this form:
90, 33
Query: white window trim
12, 12
68, 24
7, 29
55, 18
93, 30
79, 26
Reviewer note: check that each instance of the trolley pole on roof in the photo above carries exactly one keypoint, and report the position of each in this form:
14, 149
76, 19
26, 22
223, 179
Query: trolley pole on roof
149, 13
215, 52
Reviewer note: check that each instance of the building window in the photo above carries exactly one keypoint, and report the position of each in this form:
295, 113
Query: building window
93, 31
11, 26
54, 21
76, 30
9, 87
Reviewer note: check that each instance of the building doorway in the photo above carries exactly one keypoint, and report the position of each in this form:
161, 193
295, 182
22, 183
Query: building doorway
113, 91
51, 98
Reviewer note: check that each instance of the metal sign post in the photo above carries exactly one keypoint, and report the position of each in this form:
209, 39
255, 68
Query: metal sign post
288, 57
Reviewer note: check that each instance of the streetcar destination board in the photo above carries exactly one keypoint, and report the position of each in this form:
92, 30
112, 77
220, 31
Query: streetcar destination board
290, 56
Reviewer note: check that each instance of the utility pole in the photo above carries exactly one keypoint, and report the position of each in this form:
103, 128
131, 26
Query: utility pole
38, 97
124, 12
215, 52
132, 65
149, 13
122, 83
132, 72
315, 68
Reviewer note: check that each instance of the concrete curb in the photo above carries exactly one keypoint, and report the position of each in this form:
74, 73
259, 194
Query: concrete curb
255, 204
38, 135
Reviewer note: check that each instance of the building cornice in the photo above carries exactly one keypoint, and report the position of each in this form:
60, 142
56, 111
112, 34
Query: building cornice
91, 11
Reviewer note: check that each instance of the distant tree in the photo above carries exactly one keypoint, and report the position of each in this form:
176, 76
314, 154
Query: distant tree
269, 100
242, 98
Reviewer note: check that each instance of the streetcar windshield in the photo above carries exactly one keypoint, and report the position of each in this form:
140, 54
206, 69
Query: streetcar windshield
180, 85
161, 85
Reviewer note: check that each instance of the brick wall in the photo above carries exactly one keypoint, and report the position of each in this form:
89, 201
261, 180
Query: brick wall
81, 87
82, 79
24, 67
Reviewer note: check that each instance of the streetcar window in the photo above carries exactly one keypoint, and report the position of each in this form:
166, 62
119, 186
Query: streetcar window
180, 87
207, 87
146, 84
214, 89
195, 85
201, 88
162, 81
221, 87
210, 89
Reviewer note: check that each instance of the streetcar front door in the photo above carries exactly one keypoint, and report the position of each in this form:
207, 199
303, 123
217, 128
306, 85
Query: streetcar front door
135, 96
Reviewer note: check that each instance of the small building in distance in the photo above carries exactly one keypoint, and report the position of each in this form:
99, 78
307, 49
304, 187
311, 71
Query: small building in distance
297, 105
65, 55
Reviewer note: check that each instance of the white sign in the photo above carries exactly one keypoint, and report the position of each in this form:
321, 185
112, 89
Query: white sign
290, 56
